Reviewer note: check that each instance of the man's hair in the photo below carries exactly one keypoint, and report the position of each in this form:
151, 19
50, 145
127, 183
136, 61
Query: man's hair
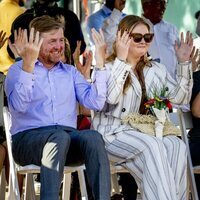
110, 4
197, 14
45, 24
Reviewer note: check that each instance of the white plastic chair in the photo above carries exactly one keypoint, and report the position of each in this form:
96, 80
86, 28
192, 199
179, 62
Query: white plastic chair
29, 170
185, 125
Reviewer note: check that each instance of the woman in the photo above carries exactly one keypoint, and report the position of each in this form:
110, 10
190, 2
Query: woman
158, 166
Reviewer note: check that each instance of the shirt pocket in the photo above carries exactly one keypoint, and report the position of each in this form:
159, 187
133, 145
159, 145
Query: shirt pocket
168, 39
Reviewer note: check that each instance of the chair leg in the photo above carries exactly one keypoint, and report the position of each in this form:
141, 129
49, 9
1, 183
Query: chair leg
82, 183
192, 180
29, 188
3, 184
66, 186
115, 184
188, 186
13, 190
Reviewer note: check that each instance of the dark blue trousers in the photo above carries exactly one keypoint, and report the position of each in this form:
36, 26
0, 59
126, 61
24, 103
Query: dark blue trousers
53, 147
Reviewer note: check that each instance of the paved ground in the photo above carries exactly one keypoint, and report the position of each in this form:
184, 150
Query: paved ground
37, 189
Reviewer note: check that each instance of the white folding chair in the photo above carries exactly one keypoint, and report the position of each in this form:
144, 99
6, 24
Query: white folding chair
29, 170
185, 125
115, 169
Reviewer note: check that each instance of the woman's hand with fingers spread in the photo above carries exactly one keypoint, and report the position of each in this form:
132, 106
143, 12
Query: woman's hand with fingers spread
3, 38
123, 42
100, 47
184, 49
195, 58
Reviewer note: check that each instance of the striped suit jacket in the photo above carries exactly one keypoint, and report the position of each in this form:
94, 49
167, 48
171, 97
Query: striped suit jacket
118, 105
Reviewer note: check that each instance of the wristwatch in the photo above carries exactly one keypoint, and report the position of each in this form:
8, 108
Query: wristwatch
100, 69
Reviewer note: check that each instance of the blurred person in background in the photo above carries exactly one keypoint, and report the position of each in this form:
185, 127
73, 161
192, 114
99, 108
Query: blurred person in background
165, 34
10, 9
197, 39
3, 148
197, 42
97, 19
72, 32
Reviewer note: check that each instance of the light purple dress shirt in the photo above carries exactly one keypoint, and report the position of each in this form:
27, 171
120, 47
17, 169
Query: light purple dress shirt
49, 97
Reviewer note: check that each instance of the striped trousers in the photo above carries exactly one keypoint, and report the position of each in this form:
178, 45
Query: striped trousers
158, 166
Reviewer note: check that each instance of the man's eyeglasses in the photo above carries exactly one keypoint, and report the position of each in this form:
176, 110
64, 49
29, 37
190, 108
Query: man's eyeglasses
137, 37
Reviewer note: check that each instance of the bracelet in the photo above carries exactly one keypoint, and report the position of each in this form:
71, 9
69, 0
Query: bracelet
184, 63
121, 60
18, 59
89, 80
100, 69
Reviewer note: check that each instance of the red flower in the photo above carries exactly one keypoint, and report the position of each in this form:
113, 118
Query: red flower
169, 105
150, 102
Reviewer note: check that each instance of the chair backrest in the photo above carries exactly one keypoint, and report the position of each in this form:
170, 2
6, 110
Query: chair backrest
13, 174
185, 124
174, 118
188, 120
29, 169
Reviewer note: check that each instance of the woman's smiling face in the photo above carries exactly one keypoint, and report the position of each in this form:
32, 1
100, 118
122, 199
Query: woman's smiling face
138, 49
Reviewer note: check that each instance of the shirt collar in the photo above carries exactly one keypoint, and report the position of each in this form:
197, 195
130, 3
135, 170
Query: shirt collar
60, 64
106, 10
150, 23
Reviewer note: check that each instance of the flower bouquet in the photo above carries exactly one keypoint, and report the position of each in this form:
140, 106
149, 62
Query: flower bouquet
159, 105
156, 122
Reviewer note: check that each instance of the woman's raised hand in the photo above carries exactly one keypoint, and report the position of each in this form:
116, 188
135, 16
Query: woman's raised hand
123, 42
184, 49
100, 47
3, 38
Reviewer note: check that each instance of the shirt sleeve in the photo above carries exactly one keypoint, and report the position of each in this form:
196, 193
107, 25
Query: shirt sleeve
180, 90
92, 96
110, 27
19, 88
93, 21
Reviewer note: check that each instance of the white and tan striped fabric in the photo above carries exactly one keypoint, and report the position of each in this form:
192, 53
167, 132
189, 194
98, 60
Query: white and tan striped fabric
159, 166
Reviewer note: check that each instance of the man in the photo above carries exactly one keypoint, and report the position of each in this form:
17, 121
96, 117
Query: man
165, 34
97, 19
72, 30
42, 95
10, 9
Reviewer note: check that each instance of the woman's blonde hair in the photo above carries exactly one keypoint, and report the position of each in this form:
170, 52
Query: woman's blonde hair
128, 23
